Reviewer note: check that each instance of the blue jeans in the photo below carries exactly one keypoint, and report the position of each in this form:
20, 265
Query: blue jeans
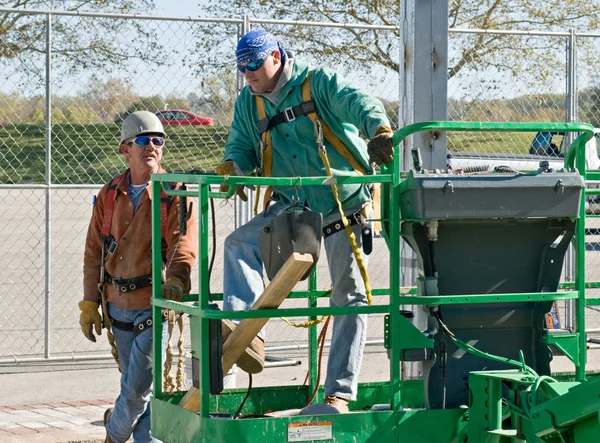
132, 408
243, 284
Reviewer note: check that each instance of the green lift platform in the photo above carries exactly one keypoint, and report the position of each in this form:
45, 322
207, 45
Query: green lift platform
490, 249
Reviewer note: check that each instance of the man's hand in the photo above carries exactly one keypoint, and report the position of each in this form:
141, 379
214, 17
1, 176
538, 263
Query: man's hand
380, 147
89, 317
230, 168
172, 289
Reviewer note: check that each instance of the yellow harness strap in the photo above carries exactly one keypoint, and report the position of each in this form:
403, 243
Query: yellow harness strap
267, 157
328, 133
267, 154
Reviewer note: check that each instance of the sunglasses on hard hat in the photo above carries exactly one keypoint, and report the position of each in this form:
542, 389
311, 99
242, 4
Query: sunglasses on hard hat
144, 140
253, 66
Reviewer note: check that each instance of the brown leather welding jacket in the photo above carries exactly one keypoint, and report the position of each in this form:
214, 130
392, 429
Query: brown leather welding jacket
132, 257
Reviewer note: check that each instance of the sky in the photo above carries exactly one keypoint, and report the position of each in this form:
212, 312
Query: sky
179, 8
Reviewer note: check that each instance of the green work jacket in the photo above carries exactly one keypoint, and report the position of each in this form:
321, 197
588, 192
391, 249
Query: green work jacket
348, 111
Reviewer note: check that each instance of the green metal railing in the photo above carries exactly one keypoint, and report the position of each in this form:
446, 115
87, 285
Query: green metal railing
404, 336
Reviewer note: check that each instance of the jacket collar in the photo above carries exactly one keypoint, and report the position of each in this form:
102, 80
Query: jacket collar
299, 74
123, 185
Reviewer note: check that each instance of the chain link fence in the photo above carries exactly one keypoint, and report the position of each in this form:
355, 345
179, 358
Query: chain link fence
50, 168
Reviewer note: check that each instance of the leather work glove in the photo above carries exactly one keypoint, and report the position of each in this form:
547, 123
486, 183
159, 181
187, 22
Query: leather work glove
172, 289
230, 168
380, 147
90, 316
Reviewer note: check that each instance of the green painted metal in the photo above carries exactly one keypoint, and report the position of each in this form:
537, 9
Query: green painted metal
568, 344
535, 409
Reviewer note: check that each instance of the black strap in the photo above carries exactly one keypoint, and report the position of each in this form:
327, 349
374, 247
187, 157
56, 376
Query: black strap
124, 285
287, 115
123, 326
338, 225
355, 219
144, 325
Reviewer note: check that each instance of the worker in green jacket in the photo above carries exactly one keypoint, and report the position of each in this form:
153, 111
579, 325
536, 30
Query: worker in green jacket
273, 134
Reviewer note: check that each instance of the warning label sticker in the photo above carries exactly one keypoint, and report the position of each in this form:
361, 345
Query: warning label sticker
309, 431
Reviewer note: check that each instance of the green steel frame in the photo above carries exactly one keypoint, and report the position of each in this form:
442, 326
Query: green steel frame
406, 420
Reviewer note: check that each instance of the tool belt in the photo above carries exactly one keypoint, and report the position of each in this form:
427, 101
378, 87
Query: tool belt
358, 218
144, 325
124, 285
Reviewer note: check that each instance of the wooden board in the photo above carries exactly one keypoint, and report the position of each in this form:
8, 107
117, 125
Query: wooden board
277, 291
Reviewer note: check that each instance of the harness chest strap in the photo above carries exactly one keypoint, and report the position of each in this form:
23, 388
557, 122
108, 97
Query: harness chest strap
307, 108
109, 207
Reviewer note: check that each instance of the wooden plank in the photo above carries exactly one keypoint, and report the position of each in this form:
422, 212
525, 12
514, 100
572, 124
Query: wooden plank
277, 291
191, 400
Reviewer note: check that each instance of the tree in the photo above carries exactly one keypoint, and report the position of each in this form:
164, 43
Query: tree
77, 42
219, 94
109, 99
372, 47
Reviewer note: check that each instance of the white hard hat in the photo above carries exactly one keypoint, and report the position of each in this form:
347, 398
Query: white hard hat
139, 123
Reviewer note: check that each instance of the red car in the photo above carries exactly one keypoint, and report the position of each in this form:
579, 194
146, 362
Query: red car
179, 117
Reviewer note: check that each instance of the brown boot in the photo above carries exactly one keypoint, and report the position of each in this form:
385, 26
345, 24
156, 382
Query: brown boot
252, 360
107, 415
339, 403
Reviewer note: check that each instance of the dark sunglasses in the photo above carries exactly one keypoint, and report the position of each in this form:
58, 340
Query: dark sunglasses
144, 140
253, 66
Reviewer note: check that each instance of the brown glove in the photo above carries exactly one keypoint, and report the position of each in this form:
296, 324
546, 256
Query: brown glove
230, 168
90, 316
172, 289
380, 147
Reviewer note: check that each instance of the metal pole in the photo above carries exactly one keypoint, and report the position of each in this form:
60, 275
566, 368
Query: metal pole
243, 210
48, 245
571, 112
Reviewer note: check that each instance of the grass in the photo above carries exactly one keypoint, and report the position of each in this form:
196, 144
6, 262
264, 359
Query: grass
496, 142
89, 154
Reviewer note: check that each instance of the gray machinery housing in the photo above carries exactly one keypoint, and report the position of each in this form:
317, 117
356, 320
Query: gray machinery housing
487, 234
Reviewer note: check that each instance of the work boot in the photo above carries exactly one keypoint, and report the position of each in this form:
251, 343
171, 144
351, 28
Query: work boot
252, 360
339, 403
107, 415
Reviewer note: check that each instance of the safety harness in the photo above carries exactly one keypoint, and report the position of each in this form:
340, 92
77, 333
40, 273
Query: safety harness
308, 108
109, 246
265, 124
122, 285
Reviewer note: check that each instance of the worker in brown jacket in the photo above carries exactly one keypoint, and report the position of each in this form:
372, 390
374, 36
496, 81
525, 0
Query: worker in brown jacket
118, 250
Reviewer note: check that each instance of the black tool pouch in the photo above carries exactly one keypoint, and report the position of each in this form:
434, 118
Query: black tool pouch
290, 232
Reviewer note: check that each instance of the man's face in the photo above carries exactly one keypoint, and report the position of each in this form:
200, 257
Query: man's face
265, 78
143, 158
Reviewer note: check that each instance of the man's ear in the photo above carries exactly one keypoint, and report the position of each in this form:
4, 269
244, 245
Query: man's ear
277, 55
124, 148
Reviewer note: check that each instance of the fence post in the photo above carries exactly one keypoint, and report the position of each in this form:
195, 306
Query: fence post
48, 145
572, 115
243, 210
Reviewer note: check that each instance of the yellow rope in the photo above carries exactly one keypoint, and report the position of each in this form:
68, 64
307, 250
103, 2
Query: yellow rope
256, 199
306, 324
355, 249
168, 378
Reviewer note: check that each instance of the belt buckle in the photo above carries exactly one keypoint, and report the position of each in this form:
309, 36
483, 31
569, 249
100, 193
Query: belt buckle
112, 247
118, 285
289, 114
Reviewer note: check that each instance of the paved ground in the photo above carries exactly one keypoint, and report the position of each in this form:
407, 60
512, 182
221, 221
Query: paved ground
65, 402
76, 421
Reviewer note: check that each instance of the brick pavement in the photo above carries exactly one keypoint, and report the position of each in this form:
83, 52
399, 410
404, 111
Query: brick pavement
73, 421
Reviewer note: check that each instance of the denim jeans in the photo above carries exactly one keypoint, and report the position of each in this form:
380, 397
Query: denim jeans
243, 284
132, 408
